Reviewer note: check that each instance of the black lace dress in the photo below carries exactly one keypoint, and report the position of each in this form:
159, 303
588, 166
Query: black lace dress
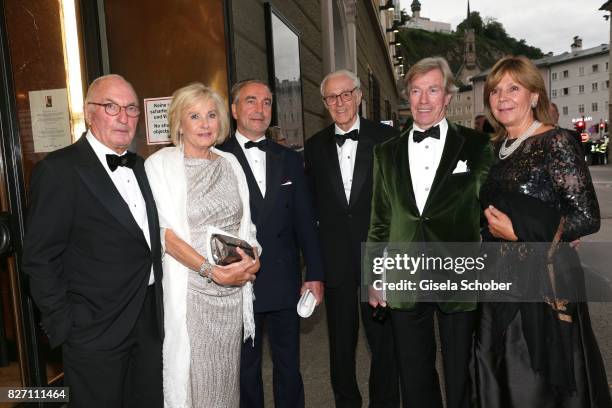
530, 355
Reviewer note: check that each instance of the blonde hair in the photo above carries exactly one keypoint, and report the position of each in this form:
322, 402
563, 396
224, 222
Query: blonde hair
523, 71
187, 96
429, 64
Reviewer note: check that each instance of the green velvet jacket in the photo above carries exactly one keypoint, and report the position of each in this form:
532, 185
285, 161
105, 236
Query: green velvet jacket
452, 211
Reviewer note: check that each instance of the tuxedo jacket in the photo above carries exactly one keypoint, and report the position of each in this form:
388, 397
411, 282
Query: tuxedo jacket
87, 260
452, 210
285, 225
342, 225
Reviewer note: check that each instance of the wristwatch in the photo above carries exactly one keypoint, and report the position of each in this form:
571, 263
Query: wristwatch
206, 270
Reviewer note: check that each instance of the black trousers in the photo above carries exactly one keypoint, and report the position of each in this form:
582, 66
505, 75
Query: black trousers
128, 376
342, 305
283, 327
415, 347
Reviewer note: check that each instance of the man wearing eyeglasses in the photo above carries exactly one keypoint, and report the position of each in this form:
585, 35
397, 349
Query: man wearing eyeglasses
339, 171
92, 253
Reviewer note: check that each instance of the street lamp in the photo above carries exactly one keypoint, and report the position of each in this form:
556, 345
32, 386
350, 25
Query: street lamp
388, 6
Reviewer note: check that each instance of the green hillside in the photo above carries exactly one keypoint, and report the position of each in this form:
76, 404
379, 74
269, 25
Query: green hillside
492, 42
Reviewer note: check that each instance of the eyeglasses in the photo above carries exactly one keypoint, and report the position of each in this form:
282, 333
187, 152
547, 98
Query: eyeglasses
113, 109
346, 96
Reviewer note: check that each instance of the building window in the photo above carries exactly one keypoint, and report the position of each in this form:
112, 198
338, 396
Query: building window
581, 108
580, 89
594, 87
458, 98
554, 76
581, 71
595, 67
565, 91
607, 84
565, 111
606, 66
566, 74
594, 107
553, 93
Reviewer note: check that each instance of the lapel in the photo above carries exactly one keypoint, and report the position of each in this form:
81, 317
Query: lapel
254, 192
401, 163
147, 194
448, 161
363, 161
274, 166
334, 166
100, 184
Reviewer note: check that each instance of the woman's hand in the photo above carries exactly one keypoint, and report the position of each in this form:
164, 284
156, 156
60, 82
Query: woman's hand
500, 225
238, 273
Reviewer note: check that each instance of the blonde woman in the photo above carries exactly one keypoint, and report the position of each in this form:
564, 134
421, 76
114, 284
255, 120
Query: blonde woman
208, 308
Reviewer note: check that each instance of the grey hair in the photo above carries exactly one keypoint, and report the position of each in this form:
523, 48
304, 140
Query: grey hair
235, 91
341, 72
429, 64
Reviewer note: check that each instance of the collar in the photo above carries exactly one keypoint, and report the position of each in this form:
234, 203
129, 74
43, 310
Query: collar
442, 123
100, 149
241, 139
356, 125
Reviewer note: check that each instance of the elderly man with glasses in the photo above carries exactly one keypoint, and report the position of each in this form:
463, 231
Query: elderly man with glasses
92, 253
339, 171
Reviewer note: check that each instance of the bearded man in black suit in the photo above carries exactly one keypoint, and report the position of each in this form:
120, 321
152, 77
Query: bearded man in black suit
339, 171
92, 253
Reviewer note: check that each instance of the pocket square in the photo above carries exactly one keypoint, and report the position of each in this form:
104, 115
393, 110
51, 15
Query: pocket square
287, 183
462, 167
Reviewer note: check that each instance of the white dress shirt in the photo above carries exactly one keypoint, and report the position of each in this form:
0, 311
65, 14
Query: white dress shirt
424, 159
125, 181
346, 158
256, 159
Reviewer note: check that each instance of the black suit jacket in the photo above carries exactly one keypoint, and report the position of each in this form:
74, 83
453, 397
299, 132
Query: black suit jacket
343, 226
87, 259
285, 224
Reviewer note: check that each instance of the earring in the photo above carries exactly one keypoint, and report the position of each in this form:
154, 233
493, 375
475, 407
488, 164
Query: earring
534, 104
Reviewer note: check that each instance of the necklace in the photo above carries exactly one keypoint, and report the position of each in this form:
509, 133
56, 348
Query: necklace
506, 151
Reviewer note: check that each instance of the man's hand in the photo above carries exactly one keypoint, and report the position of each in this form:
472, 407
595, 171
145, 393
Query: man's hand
500, 225
375, 297
316, 288
238, 273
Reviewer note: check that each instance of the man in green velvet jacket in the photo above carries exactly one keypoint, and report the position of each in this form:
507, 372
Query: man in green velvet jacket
426, 185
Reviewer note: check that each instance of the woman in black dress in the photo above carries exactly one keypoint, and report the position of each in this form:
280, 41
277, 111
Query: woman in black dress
536, 354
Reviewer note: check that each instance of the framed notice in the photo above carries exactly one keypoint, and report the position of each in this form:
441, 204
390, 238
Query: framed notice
283, 43
50, 119
156, 120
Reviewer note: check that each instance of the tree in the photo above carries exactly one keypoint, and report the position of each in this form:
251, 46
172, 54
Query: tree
494, 30
474, 21
404, 16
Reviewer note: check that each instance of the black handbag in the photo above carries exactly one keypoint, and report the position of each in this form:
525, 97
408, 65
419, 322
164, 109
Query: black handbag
224, 249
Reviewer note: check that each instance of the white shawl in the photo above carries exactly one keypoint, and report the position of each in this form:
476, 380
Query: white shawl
166, 174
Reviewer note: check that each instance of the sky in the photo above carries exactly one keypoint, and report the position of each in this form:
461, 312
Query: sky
547, 24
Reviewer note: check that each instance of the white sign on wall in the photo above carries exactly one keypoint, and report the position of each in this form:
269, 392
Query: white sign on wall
50, 119
156, 120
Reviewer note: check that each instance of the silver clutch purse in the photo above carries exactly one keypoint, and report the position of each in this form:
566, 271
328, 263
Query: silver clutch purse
225, 249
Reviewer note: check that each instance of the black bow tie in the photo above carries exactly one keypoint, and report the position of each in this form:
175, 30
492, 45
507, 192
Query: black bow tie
431, 132
127, 160
261, 145
353, 135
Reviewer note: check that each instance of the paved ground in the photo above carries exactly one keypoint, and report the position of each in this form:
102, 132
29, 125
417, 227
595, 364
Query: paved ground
315, 362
